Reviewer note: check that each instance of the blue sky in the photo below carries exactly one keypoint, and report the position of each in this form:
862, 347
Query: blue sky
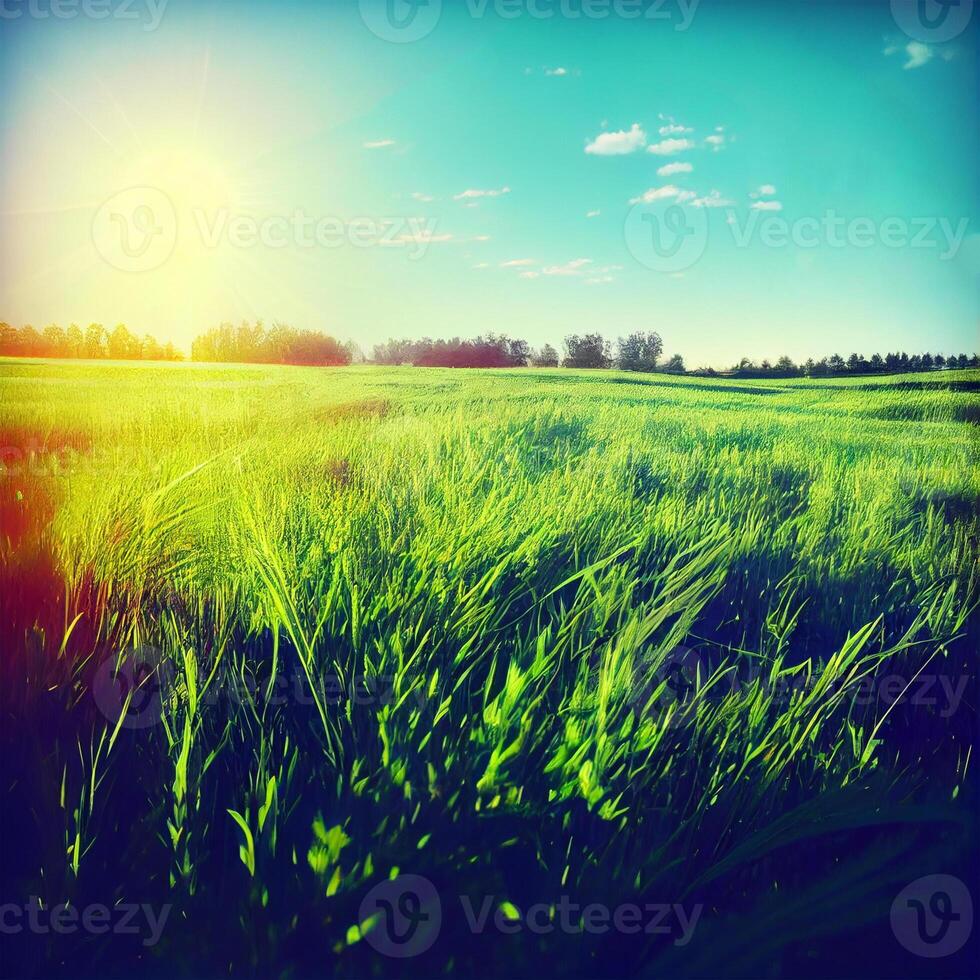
512, 165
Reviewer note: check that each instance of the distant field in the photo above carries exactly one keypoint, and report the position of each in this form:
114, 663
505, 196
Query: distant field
526, 633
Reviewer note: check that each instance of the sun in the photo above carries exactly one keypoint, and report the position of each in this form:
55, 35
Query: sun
195, 180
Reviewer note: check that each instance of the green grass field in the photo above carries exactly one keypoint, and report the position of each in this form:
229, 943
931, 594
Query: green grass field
273, 636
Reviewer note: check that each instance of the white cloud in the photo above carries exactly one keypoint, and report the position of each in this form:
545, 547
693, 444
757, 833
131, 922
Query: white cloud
656, 194
671, 127
573, 268
556, 71
421, 237
377, 144
918, 53
480, 238
427, 237
668, 147
618, 142
593, 214
767, 190
482, 265
471, 193
529, 275
596, 280
716, 141
669, 169
514, 263
711, 200
424, 198
766, 206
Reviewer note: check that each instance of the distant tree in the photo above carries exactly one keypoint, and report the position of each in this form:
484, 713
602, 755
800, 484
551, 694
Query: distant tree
876, 363
150, 349
54, 341
547, 356
927, 362
836, 365
587, 351
518, 352
786, 368
9, 340
122, 345
393, 352
675, 365
939, 361
639, 351
355, 352
95, 341
30, 342
75, 341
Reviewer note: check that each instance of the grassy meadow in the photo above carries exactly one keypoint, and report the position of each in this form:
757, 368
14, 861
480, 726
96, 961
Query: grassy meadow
274, 636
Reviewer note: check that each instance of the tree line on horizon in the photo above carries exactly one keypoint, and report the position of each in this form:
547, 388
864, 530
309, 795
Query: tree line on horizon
94, 342
279, 344
250, 343
640, 351
892, 363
